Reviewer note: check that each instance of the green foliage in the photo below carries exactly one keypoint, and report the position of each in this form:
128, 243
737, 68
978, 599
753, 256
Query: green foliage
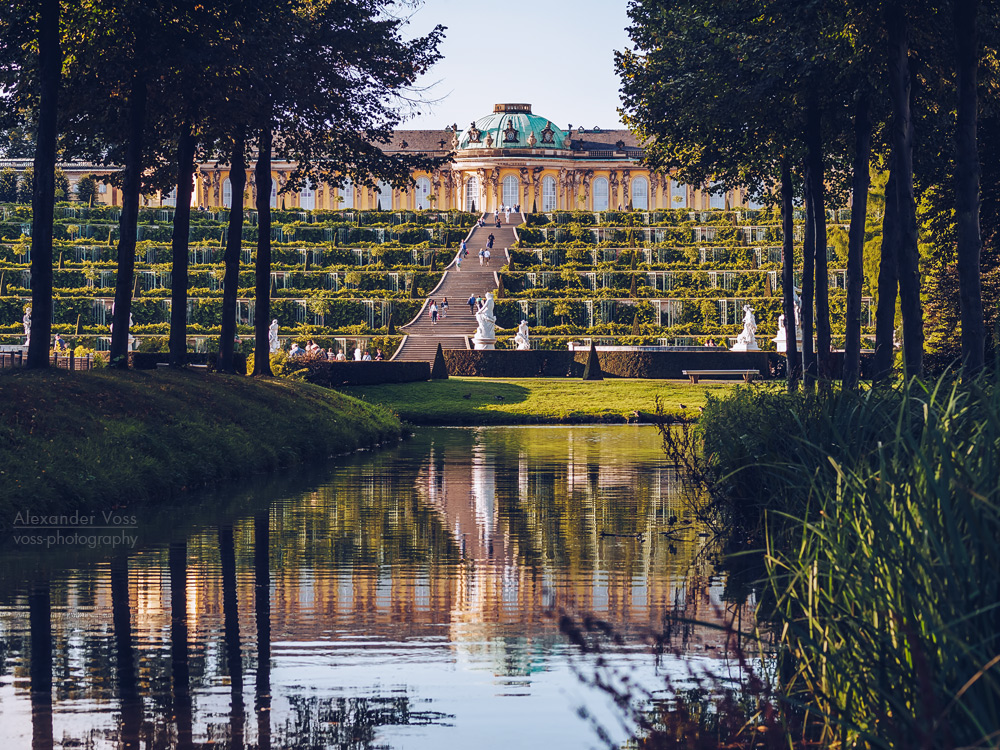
8, 185
86, 189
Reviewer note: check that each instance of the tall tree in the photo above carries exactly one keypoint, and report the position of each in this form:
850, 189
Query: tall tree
856, 238
967, 183
898, 51
43, 194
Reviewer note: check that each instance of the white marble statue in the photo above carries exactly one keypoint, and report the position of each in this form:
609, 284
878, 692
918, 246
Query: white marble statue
747, 340
272, 337
27, 325
486, 337
132, 341
781, 338
521, 337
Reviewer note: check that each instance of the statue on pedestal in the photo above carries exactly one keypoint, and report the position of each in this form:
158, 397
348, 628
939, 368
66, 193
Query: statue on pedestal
747, 340
132, 342
272, 337
781, 339
485, 337
27, 325
521, 337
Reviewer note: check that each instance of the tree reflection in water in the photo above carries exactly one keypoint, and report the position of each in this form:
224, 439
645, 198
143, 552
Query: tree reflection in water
446, 552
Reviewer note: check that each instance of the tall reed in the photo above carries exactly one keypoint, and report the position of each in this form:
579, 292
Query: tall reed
882, 529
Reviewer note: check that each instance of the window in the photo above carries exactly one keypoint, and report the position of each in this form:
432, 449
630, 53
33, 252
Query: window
601, 194
170, 199
347, 193
549, 193
716, 200
227, 193
384, 197
510, 186
471, 194
423, 194
678, 195
640, 194
307, 197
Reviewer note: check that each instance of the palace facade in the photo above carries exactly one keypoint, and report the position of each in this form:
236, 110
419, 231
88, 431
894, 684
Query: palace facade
511, 156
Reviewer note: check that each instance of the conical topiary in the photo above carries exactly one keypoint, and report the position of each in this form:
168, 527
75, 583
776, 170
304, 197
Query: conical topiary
79, 330
390, 327
534, 206
633, 292
439, 370
635, 325
593, 369
634, 256
433, 261
510, 262
500, 289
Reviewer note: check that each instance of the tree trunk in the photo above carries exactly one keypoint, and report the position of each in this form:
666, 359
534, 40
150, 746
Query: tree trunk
788, 273
40, 665
131, 185
234, 245
262, 303
856, 239
180, 671
902, 157
262, 608
43, 191
967, 185
821, 292
179, 246
121, 618
808, 285
888, 280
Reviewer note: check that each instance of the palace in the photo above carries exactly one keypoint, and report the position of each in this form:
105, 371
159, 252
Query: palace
511, 156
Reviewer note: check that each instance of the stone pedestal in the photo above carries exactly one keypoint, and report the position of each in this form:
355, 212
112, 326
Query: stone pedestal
741, 347
483, 343
781, 343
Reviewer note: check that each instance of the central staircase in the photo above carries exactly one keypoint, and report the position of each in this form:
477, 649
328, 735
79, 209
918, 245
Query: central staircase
422, 337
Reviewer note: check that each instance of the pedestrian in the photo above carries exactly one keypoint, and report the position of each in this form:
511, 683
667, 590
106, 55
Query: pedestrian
486, 254
490, 240
458, 261
507, 215
464, 245
472, 304
378, 355
498, 222
434, 313
481, 255
444, 308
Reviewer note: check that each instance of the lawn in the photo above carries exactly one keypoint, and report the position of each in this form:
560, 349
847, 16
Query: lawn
464, 401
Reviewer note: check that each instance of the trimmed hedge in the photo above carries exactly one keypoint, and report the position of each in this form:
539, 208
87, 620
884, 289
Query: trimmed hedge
337, 374
553, 364
149, 360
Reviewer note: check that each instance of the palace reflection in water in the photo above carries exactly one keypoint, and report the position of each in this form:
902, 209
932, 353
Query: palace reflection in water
403, 601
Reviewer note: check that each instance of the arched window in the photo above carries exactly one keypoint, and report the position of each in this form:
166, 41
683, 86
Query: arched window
601, 194
510, 188
423, 193
170, 199
678, 195
471, 194
307, 197
384, 196
716, 200
274, 193
549, 193
227, 193
347, 194
640, 194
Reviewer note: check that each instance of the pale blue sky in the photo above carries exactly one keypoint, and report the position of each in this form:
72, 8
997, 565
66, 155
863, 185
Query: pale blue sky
556, 55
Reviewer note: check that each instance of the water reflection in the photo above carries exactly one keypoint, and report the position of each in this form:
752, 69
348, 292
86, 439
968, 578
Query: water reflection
399, 602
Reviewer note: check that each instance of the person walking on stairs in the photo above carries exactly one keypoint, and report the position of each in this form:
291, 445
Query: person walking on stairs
434, 313
458, 261
444, 308
472, 304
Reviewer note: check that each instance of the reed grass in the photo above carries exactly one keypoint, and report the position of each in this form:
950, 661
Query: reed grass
881, 521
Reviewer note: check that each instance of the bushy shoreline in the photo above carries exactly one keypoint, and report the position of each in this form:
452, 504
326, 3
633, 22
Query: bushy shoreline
107, 439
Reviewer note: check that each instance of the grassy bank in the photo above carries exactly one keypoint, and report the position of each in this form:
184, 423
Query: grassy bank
477, 401
105, 439
880, 513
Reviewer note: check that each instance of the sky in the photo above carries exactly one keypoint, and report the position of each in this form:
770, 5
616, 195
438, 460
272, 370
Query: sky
556, 55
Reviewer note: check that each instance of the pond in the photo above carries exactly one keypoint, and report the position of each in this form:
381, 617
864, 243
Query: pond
404, 598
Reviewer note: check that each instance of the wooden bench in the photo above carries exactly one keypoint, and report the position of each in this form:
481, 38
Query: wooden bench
748, 375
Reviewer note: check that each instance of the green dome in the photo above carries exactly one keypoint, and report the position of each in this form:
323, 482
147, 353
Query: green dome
512, 126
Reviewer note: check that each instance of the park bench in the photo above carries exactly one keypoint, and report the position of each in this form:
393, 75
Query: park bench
193, 367
748, 375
